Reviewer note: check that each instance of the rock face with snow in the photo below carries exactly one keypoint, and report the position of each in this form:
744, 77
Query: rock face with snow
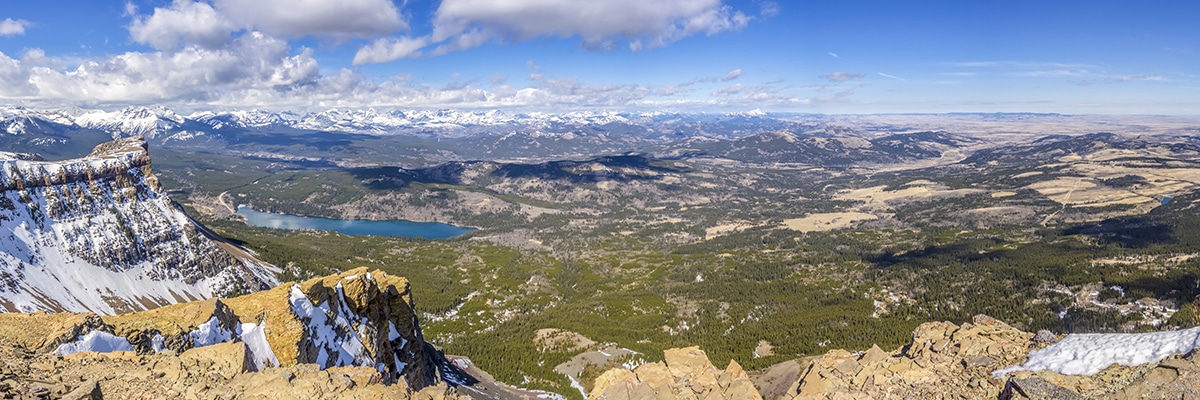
352, 335
95, 234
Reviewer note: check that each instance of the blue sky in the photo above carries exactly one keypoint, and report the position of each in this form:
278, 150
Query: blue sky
618, 55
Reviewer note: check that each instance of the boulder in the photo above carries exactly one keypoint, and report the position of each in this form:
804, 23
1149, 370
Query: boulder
1036, 388
686, 374
228, 359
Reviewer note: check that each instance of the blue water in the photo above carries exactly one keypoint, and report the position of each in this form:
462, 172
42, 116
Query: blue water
428, 230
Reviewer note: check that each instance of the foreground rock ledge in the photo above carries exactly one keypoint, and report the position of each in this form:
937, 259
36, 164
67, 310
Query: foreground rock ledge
944, 361
207, 349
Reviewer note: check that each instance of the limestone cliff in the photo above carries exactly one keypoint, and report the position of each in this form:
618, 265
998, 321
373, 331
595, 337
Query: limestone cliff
351, 335
96, 234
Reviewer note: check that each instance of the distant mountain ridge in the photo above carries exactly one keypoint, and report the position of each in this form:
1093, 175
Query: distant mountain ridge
152, 122
96, 234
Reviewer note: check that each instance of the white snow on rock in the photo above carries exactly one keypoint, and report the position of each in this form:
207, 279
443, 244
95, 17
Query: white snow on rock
255, 338
1089, 353
97, 341
158, 343
210, 333
332, 332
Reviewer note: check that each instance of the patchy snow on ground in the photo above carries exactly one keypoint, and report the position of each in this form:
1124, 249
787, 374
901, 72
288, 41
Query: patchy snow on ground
1089, 353
97, 341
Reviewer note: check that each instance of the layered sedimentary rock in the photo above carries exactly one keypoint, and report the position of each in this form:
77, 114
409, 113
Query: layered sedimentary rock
352, 335
96, 234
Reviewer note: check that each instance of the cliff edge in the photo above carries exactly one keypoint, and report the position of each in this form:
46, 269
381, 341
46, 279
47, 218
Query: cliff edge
96, 234
351, 335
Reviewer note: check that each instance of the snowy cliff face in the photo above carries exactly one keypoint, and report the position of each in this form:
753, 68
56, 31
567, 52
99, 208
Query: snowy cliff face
95, 234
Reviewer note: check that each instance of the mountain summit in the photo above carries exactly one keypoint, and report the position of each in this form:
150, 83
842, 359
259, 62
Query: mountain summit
96, 234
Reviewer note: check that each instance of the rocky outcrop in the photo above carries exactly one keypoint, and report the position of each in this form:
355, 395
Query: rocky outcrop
351, 335
946, 360
684, 374
96, 234
943, 361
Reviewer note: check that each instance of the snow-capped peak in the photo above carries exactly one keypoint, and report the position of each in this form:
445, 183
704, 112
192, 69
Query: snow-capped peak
132, 121
17, 121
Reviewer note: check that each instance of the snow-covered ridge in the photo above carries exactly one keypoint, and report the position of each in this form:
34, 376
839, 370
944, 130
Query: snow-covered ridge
132, 121
95, 234
106, 162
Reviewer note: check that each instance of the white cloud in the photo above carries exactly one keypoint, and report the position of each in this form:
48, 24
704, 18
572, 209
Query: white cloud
296, 18
387, 49
600, 24
1156, 78
732, 75
832, 54
730, 90
13, 27
256, 70
768, 9
890, 76
187, 23
839, 77
183, 23
251, 62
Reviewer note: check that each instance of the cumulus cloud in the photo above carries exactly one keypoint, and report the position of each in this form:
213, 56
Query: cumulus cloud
13, 27
732, 75
292, 18
182, 23
187, 23
251, 62
387, 49
839, 77
600, 24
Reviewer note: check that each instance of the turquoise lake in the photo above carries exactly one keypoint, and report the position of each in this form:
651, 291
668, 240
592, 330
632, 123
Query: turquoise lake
428, 230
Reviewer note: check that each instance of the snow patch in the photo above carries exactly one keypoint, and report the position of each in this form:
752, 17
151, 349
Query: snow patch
1089, 353
97, 341
575, 384
255, 338
156, 343
210, 333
